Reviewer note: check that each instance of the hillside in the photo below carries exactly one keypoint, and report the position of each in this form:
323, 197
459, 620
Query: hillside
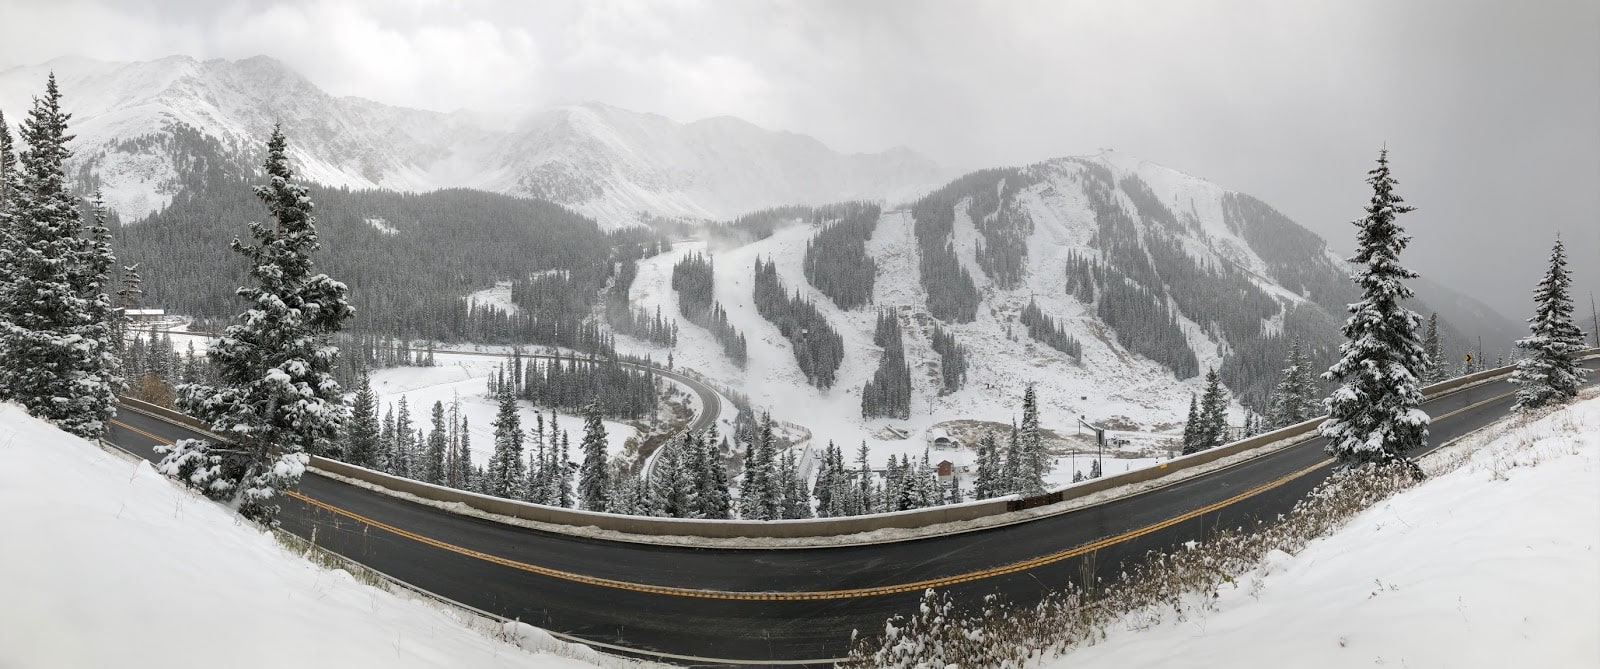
1151, 275
138, 125
120, 566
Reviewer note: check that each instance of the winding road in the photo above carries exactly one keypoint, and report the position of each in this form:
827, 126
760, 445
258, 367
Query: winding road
786, 606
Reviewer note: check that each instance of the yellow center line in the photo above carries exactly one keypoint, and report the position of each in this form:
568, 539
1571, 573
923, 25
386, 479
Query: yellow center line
915, 586
850, 593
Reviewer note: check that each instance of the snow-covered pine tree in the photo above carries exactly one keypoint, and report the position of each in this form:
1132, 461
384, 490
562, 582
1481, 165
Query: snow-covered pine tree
1434, 364
1191, 426
400, 462
1035, 461
796, 502
386, 439
1549, 373
987, 481
57, 358
1291, 399
864, 490
672, 487
9, 187
505, 463
593, 488
130, 292
563, 468
361, 434
463, 466
714, 499
1210, 429
1011, 465
274, 367
433, 463
1373, 416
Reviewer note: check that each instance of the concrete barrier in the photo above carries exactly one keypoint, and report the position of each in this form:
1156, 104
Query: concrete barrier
825, 527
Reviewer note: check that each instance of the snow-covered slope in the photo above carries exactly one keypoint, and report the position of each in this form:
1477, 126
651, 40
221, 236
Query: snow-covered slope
108, 564
1203, 242
1496, 564
606, 162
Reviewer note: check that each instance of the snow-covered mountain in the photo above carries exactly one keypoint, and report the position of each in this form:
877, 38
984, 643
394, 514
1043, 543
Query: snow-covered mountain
609, 163
1187, 276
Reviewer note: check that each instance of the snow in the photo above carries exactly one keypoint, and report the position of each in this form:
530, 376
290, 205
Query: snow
108, 564
607, 163
1492, 565
498, 296
467, 377
381, 225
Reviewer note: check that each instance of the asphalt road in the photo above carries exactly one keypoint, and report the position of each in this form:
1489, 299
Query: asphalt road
759, 606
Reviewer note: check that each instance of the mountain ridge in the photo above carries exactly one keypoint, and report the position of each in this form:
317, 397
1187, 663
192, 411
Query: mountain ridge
614, 165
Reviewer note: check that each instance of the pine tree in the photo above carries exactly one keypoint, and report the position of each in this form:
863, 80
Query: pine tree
1433, 352
714, 498
1292, 400
1011, 467
505, 464
57, 357
361, 436
275, 366
1212, 422
1550, 373
462, 471
386, 438
1191, 426
629, 496
1374, 416
563, 471
400, 463
433, 460
1035, 464
593, 488
672, 485
796, 503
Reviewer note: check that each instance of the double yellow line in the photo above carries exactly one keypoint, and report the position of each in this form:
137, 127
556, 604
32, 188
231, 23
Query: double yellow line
850, 593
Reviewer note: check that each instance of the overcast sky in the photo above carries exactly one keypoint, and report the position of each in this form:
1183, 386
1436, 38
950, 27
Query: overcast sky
1491, 109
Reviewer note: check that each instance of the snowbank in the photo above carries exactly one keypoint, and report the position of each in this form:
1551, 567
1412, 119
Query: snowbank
107, 564
1496, 564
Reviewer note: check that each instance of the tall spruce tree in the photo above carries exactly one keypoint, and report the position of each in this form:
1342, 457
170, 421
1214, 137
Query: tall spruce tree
1292, 400
1435, 365
1211, 428
57, 357
1035, 464
1373, 417
505, 463
593, 487
1549, 373
1191, 426
274, 367
361, 435
433, 459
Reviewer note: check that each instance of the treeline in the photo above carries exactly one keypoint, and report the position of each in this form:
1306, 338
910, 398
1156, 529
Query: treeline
818, 348
952, 359
620, 313
1139, 316
836, 260
694, 278
407, 284
1045, 330
572, 383
952, 295
888, 392
757, 225
845, 490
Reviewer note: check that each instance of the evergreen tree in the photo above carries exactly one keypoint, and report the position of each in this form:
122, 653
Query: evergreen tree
505, 464
1012, 467
386, 438
361, 436
275, 366
1212, 421
627, 495
461, 471
864, 488
1191, 426
400, 462
1292, 400
672, 485
433, 460
57, 357
563, 471
1374, 416
1035, 462
1550, 372
796, 503
1433, 352
593, 488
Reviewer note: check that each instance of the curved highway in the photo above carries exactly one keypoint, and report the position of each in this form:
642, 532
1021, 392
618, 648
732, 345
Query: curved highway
710, 606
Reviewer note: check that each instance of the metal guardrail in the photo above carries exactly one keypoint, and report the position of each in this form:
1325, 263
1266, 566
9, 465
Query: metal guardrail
825, 527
